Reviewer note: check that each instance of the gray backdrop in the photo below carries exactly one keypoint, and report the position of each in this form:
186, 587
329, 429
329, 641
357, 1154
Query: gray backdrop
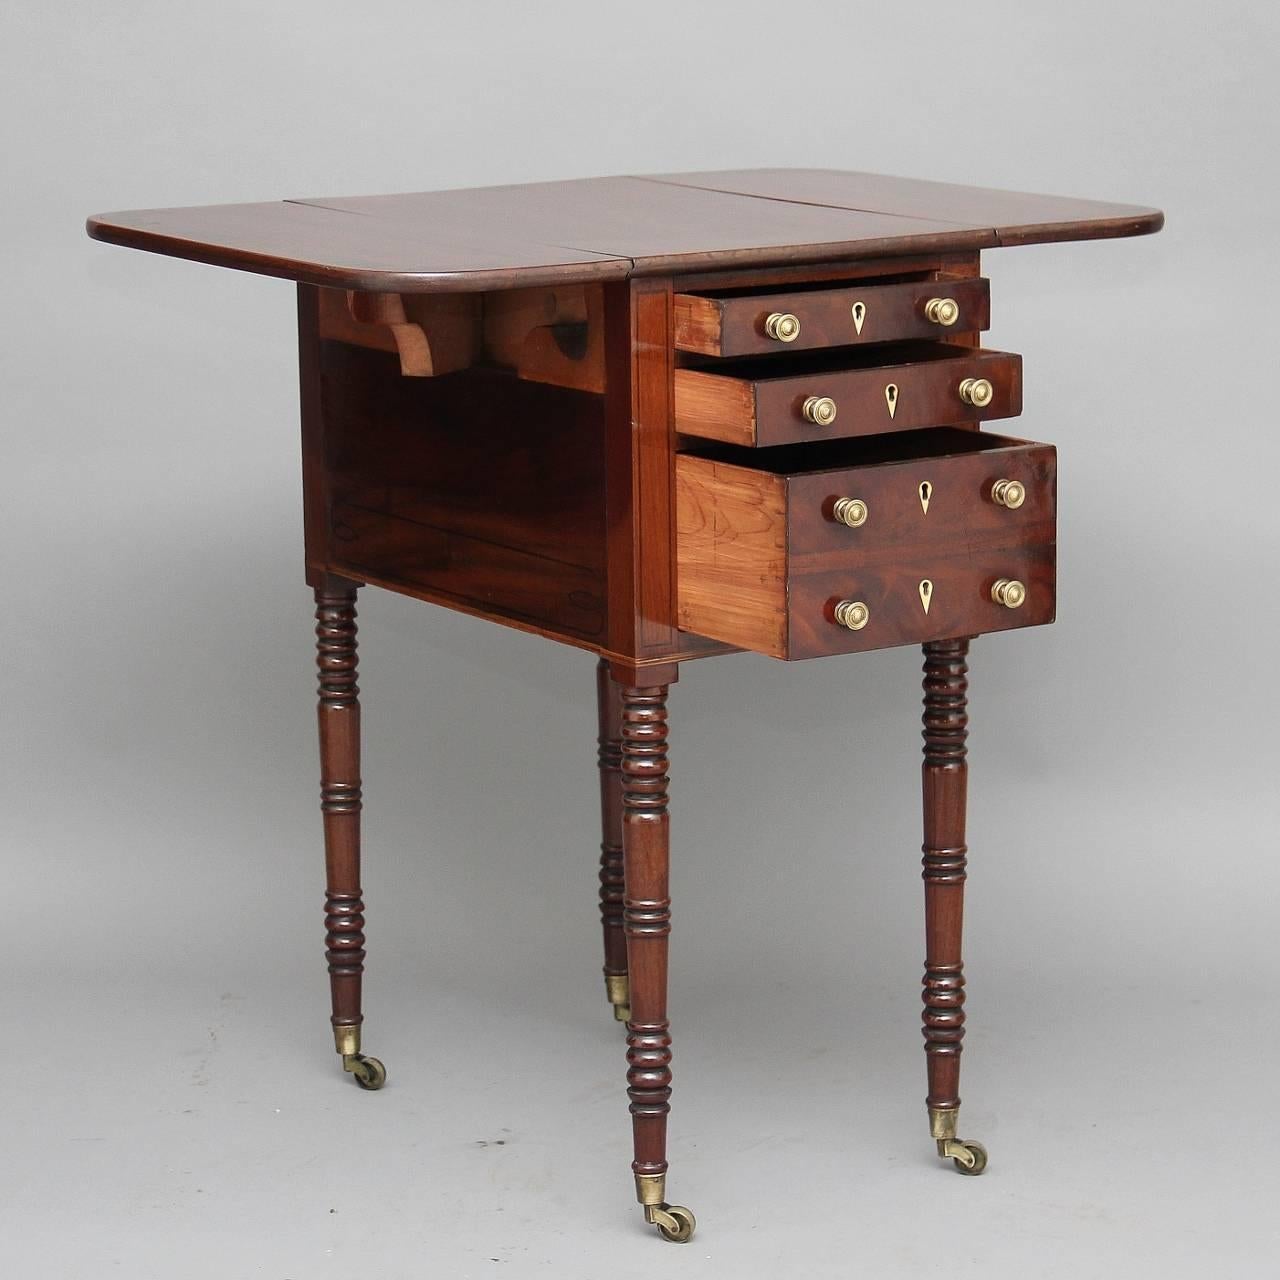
173, 1104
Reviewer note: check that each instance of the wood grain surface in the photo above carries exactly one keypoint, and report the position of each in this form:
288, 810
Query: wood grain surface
763, 562
944, 777
734, 325
760, 401
607, 228
1015, 217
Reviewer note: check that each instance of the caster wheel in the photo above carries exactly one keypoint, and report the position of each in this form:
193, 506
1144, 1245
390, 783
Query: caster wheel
674, 1223
971, 1160
368, 1073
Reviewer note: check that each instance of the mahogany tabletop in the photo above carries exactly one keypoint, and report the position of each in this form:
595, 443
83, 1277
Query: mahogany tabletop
610, 228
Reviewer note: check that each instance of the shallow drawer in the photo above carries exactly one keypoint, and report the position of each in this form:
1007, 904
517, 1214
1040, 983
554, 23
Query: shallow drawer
723, 324
822, 395
926, 535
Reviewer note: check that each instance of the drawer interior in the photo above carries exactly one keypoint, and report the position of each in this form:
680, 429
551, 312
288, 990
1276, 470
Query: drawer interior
815, 457
799, 364
821, 286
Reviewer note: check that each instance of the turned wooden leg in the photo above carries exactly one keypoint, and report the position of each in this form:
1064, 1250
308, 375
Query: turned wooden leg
338, 715
609, 707
945, 782
647, 924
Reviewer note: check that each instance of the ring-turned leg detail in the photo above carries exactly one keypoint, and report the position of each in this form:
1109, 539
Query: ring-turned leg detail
945, 780
609, 706
647, 925
338, 716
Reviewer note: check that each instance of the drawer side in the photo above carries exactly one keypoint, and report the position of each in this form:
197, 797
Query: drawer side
731, 554
715, 408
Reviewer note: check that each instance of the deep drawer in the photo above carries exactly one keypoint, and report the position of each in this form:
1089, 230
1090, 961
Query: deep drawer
806, 320
917, 529
825, 395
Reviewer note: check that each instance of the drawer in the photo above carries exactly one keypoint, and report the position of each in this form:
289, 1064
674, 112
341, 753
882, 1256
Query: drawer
724, 324
822, 395
910, 526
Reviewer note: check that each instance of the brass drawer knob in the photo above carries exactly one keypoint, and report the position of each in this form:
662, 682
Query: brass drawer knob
943, 311
1008, 592
850, 511
852, 614
819, 409
977, 392
1008, 493
782, 326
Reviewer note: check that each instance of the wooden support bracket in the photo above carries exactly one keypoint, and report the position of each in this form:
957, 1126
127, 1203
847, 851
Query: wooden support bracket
431, 334
553, 335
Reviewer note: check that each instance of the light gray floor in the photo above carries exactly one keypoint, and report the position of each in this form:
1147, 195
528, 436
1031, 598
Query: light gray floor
173, 1124
174, 1107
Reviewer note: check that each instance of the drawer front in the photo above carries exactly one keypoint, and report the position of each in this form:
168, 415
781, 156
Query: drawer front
752, 324
766, 554
829, 399
989, 498
957, 589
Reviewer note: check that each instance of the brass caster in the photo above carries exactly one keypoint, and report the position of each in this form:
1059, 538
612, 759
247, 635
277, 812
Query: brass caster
618, 986
674, 1221
969, 1158
368, 1073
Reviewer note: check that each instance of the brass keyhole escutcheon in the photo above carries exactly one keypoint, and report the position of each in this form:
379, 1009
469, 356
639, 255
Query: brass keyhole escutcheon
926, 593
926, 494
891, 398
859, 315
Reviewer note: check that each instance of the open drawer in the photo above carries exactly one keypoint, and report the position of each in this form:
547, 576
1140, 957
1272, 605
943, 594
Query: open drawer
753, 322
862, 544
820, 395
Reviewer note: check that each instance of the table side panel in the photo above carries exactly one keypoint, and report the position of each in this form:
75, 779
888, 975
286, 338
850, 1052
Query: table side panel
474, 486
640, 446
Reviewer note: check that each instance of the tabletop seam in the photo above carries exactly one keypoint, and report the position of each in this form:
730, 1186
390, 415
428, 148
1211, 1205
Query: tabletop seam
819, 204
544, 244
